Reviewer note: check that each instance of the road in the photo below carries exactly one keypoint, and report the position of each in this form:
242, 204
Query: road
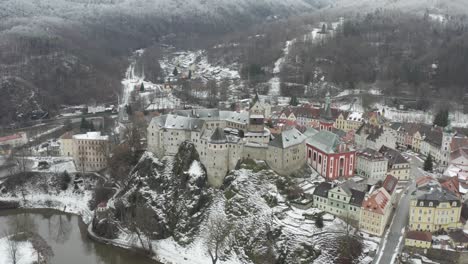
393, 241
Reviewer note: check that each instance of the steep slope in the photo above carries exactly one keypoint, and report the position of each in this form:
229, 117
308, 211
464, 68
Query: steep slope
174, 189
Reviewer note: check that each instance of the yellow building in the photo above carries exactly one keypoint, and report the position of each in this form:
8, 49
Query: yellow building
416, 144
436, 210
349, 121
375, 212
418, 239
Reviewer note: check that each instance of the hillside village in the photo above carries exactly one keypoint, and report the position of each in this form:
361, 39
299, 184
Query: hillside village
174, 155
363, 167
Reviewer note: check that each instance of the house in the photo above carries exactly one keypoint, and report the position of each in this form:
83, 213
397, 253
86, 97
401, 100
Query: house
329, 156
343, 200
398, 166
14, 140
90, 151
349, 121
66, 144
434, 210
458, 239
374, 137
371, 164
418, 239
375, 212
261, 108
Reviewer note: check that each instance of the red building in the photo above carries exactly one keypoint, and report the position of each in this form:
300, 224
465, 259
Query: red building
329, 156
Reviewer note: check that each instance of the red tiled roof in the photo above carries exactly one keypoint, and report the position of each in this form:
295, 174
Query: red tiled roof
390, 183
10, 137
376, 202
452, 184
458, 143
419, 235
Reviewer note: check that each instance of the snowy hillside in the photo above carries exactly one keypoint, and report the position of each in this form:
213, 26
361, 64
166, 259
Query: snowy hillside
81, 10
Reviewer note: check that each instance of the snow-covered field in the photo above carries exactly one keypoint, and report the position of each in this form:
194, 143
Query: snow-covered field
26, 254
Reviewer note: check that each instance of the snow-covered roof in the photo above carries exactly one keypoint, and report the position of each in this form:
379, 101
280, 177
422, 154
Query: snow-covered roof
356, 116
288, 138
91, 136
177, 122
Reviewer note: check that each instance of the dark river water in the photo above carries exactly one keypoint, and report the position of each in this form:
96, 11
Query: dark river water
67, 236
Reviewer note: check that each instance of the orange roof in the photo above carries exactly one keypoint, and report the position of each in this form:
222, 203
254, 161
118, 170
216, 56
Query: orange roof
423, 180
452, 184
376, 202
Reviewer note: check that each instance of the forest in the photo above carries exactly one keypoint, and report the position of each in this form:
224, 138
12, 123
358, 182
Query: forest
404, 54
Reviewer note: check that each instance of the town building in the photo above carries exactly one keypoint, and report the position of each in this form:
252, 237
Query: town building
374, 137
398, 166
329, 156
14, 140
343, 200
375, 212
418, 239
434, 210
371, 164
90, 151
261, 108
349, 121
458, 239
66, 144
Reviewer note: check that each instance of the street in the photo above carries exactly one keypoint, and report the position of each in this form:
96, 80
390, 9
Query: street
392, 242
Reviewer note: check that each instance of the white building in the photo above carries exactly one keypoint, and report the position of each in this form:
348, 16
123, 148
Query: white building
90, 151
372, 164
374, 137
222, 138
66, 144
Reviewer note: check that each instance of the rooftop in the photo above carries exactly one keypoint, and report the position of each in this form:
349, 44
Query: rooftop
419, 235
288, 138
91, 136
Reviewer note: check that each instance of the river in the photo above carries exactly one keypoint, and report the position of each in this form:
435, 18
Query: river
67, 236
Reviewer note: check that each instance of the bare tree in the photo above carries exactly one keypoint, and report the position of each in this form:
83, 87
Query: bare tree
219, 231
12, 247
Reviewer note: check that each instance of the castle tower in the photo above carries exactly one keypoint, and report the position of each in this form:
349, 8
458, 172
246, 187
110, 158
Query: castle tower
217, 160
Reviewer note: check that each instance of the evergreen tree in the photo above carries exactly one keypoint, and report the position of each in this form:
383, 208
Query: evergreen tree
294, 101
128, 109
428, 166
441, 119
324, 29
83, 124
142, 87
175, 72
319, 221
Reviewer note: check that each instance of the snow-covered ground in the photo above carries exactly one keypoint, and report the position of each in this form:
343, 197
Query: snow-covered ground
26, 254
51, 130
198, 63
57, 164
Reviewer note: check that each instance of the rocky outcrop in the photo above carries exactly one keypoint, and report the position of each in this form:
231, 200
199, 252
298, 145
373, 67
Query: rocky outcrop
172, 194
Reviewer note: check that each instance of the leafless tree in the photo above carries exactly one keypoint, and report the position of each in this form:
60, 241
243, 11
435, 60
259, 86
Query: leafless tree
12, 247
142, 225
219, 231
